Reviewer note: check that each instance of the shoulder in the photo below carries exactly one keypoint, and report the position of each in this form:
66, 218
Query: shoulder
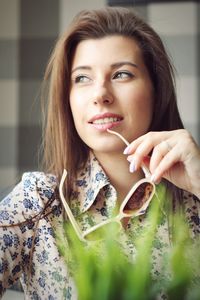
39, 182
29, 197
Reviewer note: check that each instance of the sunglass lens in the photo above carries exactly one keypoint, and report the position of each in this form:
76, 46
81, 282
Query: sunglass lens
139, 197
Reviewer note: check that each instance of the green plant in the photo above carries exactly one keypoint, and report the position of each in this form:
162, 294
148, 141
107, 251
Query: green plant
102, 271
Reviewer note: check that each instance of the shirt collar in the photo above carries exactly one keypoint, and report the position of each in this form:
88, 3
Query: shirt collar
88, 185
89, 182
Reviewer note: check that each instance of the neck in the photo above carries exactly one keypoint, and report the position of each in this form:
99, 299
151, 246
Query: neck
116, 167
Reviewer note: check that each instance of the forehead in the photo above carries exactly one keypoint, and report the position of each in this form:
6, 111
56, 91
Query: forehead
106, 50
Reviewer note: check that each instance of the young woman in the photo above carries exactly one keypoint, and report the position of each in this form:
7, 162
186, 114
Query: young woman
108, 71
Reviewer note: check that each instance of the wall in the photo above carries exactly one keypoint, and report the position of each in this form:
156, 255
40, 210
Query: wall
177, 23
28, 30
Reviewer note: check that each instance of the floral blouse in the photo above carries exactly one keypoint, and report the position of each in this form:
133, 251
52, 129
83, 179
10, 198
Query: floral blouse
31, 214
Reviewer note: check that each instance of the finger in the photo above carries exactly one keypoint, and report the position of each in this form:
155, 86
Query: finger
146, 142
146, 161
158, 153
152, 142
135, 163
139, 149
166, 163
141, 152
130, 149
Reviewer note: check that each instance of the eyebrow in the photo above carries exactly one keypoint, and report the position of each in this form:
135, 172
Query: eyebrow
122, 63
115, 66
81, 68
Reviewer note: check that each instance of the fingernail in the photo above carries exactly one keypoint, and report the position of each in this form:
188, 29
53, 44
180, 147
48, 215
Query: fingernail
154, 179
126, 150
132, 166
129, 158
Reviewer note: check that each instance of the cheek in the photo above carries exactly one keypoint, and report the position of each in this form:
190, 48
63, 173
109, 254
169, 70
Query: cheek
145, 103
146, 97
146, 109
141, 105
78, 99
141, 98
75, 104
78, 109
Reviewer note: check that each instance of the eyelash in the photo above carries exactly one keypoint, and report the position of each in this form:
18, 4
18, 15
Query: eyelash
79, 77
128, 74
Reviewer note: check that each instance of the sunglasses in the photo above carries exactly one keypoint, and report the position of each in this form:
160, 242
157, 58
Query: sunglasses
134, 204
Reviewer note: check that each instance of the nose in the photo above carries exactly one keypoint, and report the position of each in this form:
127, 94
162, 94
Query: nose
102, 94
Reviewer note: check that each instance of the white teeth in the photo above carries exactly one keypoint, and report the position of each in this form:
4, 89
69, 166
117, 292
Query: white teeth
105, 120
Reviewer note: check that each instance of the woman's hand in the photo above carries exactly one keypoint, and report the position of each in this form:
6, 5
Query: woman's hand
174, 156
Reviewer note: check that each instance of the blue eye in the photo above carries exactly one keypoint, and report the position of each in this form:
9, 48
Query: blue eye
82, 79
122, 75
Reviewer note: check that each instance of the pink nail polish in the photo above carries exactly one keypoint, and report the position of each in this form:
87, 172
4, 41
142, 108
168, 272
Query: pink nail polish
129, 158
126, 150
132, 167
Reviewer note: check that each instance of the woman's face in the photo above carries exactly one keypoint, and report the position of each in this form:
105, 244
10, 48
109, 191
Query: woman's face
110, 89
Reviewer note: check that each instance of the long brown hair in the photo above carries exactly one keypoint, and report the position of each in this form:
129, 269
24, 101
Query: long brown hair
63, 148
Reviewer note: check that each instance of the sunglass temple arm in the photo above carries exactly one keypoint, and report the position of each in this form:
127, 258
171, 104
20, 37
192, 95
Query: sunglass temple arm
67, 208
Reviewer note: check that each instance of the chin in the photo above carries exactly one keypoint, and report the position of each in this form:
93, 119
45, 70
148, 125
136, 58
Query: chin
107, 149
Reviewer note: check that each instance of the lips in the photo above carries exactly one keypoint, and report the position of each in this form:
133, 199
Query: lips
105, 121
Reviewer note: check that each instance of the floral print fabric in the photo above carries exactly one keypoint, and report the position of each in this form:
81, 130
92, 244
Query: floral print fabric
31, 214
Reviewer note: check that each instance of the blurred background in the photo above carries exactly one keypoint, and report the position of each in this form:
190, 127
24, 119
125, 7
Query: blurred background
28, 31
